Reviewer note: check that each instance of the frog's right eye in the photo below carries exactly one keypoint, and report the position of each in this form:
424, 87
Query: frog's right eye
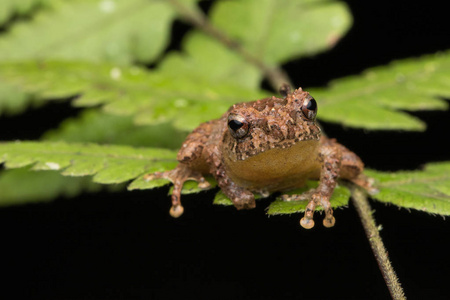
309, 108
237, 125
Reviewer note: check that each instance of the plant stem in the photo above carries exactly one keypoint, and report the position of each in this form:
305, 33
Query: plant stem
365, 213
275, 75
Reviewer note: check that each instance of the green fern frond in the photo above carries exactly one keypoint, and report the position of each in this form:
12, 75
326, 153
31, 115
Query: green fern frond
151, 97
116, 31
426, 190
9, 8
108, 164
375, 99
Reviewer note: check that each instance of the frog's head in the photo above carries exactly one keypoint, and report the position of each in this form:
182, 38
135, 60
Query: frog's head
271, 123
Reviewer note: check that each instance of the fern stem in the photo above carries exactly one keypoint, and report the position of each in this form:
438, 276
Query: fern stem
365, 213
275, 75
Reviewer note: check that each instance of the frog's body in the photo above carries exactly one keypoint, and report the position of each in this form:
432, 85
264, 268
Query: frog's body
268, 145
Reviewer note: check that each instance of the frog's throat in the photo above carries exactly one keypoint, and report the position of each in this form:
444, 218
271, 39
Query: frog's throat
251, 151
276, 169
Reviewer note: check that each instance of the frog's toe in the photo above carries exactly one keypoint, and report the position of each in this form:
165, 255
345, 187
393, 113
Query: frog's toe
245, 205
178, 176
203, 183
245, 201
373, 191
156, 175
298, 197
176, 210
307, 223
329, 221
366, 183
316, 198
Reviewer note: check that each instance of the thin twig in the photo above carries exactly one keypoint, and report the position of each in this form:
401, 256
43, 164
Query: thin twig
365, 213
275, 75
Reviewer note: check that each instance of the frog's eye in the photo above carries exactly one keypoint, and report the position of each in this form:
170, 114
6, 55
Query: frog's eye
309, 108
237, 125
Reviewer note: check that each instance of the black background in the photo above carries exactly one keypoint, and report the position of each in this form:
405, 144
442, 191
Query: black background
125, 246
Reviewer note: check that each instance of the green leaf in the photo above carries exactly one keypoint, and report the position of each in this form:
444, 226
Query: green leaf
185, 84
275, 32
371, 101
205, 61
115, 31
19, 186
191, 186
222, 199
151, 97
8, 8
91, 126
142, 184
95, 126
427, 190
108, 164
279, 30
374, 100
13, 100
121, 32
339, 198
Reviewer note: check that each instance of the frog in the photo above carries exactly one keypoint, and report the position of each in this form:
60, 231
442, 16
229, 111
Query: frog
260, 147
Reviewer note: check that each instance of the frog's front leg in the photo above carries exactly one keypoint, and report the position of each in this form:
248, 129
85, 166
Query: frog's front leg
178, 176
190, 167
329, 173
241, 197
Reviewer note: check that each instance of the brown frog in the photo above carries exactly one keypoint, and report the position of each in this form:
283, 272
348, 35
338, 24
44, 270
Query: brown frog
269, 145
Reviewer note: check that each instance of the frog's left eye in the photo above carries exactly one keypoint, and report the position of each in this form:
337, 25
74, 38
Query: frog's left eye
237, 125
309, 108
